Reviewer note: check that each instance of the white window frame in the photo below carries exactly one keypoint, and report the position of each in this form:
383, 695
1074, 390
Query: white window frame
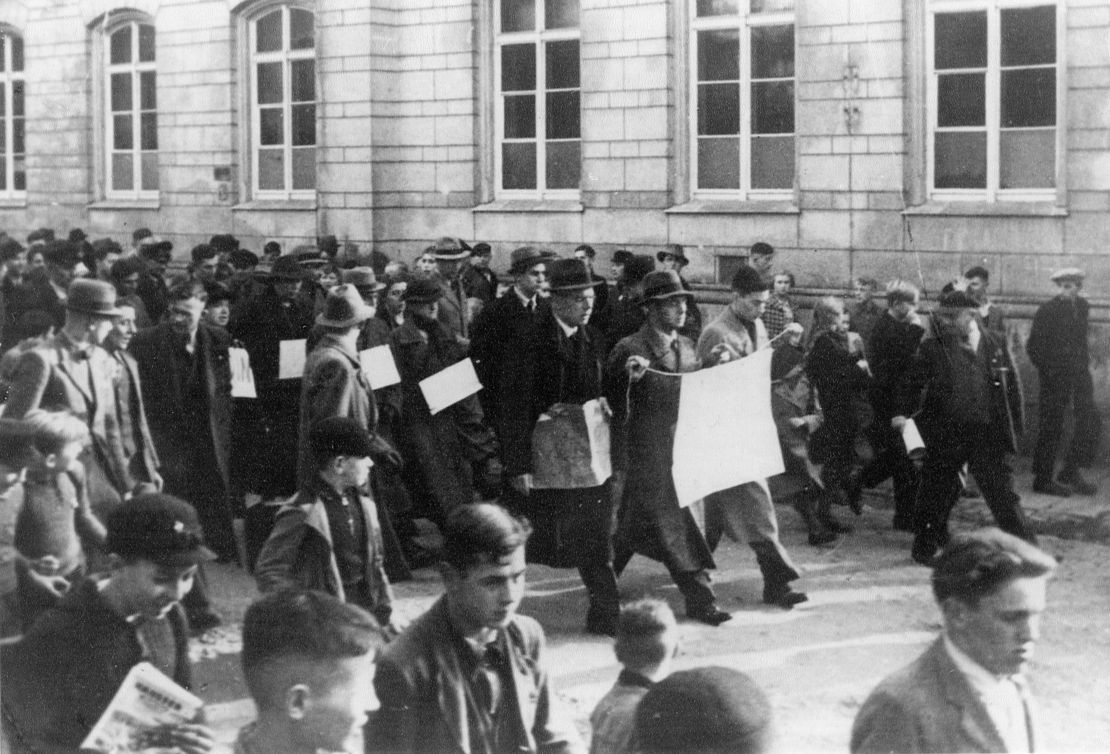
538, 39
135, 68
744, 21
8, 79
992, 193
286, 56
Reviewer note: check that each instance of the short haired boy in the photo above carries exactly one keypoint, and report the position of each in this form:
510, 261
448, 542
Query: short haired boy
70, 664
647, 641
308, 659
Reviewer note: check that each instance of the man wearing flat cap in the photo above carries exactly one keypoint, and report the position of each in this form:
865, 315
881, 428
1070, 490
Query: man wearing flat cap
625, 314
1058, 348
962, 394
156, 252
968, 691
479, 281
451, 255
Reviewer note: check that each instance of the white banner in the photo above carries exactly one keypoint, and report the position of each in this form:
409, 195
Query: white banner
292, 359
379, 367
449, 386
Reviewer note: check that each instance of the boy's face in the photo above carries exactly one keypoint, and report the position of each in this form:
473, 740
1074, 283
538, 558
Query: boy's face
355, 471
488, 594
152, 589
218, 313
66, 457
335, 711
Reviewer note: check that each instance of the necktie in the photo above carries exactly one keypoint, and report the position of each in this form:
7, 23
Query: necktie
123, 407
677, 351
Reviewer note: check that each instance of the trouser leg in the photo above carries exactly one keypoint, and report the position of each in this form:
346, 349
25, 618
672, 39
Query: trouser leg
1054, 395
996, 481
601, 586
774, 564
1085, 435
695, 588
940, 489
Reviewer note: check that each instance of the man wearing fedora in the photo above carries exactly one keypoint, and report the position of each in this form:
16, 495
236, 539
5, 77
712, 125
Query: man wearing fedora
625, 314
374, 331
451, 255
586, 254
560, 361
650, 522
1058, 348
674, 258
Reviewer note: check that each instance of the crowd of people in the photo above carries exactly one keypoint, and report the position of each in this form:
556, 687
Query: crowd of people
157, 420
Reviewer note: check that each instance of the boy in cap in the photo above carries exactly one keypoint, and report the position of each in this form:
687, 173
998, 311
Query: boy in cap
73, 660
308, 659
328, 537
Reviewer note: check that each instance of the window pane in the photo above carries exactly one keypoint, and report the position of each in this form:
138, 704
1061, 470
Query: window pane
20, 177
960, 161
268, 32
564, 159
773, 107
773, 52
17, 98
271, 126
146, 43
518, 15
148, 93
520, 117
1028, 159
719, 55
1028, 36
122, 137
719, 163
304, 125
718, 109
302, 29
3, 103
17, 53
304, 80
518, 166
3, 138
718, 7
149, 166
771, 6
1029, 98
122, 177
773, 162
269, 83
18, 130
271, 169
121, 92
961, 100
560, 14
518, 68
120, 45
960, 40
304, 168
562, 65
148, 136
3, 173
562, 115
3, 46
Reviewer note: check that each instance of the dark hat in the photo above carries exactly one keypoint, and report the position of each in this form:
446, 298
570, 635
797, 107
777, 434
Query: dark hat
10, 249
287, 267
674, 250
216, 292
309, 256
339, 436
710, 709
139, 234
747, 280
61, 254
90, 296
77, 236
636, 268
223, 242
482, 249
1068, 273
664, 284
761, 248
362, 278
622, 256
42, 234
344, 307
16, 444
525, 258
203, 251
569, 275
957, 300
449, 249
153, 246
422, 291
157, 527
242, 259
102, 247
327, 245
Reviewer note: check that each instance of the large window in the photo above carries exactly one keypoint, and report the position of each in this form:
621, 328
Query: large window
539, 147
131, 110
742, 98
283, 103
13, 171
993, 85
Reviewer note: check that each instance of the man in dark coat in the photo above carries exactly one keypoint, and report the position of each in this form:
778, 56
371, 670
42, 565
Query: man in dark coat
560, 362
586, 254
962, 393
454, 313
625, 314
1058, 348
153, 290
479, 281
45, 290
651, 522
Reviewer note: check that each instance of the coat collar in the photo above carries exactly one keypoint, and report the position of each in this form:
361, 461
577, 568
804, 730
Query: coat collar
974, 720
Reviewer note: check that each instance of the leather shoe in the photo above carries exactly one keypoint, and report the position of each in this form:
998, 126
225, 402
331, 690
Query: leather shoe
1049, 487
924, 552
785, 598
711, 616
1073, 479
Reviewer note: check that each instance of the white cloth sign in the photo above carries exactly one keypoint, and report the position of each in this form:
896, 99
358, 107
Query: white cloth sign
242, 377
379, 367
449, 386
291, 362
726, 433
570, 447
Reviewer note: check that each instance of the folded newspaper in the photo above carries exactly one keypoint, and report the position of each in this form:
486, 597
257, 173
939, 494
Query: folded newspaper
147, 699
570, 447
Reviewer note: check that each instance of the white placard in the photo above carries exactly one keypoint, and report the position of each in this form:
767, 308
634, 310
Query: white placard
242, 377
146, 699
291, 362
449, 386
379, 367
915, 446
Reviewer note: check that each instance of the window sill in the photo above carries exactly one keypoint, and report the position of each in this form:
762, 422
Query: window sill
734, 207
13, 203
986, 209
276, 205
531, 205
125, 204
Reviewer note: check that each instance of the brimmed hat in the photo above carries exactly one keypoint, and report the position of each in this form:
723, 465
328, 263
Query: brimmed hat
451, 249
94, 297
622, 256
747, 280
149, 246
957, 300
664, 284
339, 436
287, 268
525, 258
16, 443
309, 256
422, 291
1068, 273
674, 250
105, 246
362, 278
160, 528
569, 275
344, 307
481, 249
223, 242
